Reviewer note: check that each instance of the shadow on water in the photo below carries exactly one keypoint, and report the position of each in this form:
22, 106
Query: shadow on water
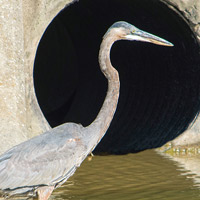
145, 176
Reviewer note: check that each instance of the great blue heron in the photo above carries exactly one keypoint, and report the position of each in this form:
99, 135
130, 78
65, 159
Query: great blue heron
43, 163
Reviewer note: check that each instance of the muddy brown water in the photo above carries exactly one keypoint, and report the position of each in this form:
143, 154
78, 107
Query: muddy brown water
142, 176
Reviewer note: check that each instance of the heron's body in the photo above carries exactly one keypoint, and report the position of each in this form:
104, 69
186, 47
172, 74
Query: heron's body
45, 160
43, 163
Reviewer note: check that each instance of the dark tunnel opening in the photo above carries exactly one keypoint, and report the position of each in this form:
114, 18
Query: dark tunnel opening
160, 86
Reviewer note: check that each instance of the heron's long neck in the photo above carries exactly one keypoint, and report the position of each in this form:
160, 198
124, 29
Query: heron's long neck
100, 125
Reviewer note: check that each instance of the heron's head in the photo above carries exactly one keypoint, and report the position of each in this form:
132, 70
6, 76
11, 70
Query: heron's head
126, 31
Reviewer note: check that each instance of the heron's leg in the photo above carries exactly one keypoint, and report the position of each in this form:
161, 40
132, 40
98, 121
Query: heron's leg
44, 192
90, 156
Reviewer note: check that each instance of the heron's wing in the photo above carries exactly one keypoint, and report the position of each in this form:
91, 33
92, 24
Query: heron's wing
44, 160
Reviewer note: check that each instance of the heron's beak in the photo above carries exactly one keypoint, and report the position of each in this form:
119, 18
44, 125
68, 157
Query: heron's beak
147, 37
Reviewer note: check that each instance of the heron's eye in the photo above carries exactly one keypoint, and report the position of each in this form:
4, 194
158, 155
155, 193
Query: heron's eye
133, 31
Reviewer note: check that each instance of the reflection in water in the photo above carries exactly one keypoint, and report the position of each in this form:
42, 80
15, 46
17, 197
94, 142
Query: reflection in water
188, 164
143, 176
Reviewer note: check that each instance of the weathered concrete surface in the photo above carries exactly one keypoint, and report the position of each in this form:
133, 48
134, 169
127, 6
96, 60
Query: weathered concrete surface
190, 9
12, 76
22, 23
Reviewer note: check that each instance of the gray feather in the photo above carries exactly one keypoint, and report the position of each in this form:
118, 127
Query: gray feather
47, 159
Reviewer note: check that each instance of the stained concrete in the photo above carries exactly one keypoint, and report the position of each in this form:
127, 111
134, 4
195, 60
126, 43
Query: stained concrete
22, 23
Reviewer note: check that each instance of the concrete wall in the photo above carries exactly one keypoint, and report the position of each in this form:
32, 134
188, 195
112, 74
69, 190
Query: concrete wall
22, 23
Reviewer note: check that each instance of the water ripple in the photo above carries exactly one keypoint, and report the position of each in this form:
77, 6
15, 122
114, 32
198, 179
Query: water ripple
143, 176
